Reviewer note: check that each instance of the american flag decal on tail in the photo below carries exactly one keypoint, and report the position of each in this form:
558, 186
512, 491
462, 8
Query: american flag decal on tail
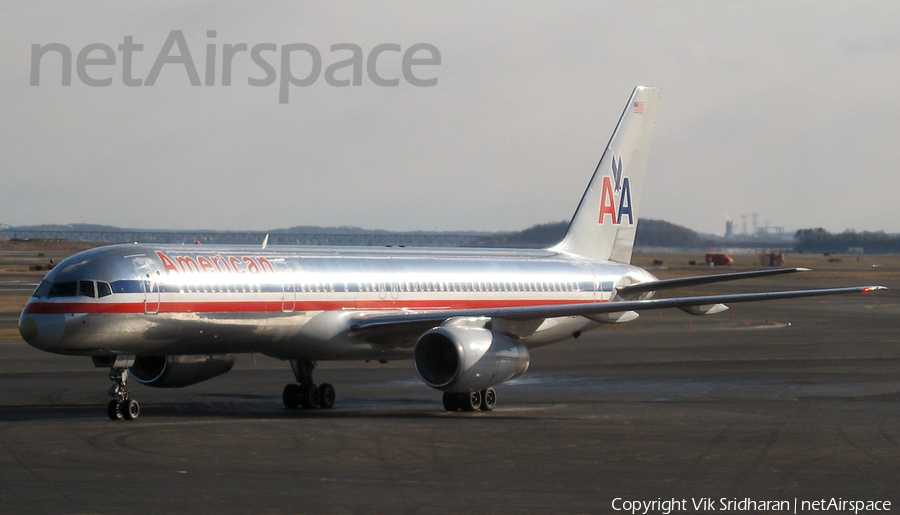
638, 107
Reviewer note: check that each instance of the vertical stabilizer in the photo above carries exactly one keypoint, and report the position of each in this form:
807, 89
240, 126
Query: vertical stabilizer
606, 219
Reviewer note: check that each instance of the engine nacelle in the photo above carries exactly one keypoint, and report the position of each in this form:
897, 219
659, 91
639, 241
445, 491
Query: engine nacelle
179, 371
460, 357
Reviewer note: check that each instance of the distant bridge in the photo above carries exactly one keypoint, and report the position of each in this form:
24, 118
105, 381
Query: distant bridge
249, 238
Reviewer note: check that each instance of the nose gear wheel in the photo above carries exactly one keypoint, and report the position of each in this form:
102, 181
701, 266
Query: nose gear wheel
121, 407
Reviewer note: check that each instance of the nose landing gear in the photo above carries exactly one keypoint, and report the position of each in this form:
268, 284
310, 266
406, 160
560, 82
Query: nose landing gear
122, 406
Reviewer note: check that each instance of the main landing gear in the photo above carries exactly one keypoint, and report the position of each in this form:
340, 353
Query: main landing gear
306, 394
485, 400
121, 406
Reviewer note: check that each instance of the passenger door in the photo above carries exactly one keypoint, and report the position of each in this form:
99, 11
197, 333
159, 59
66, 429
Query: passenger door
288, 288
151, 294
149, 278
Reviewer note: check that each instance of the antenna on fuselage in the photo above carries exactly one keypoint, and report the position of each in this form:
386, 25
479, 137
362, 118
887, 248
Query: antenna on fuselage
265, 241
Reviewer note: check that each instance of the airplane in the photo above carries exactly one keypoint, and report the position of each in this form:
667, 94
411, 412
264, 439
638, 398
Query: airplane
176, 315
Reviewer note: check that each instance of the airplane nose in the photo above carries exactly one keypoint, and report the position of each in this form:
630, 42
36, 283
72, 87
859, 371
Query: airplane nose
43, 331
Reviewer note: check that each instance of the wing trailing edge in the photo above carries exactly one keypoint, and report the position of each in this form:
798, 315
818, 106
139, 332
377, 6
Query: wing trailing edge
631, 291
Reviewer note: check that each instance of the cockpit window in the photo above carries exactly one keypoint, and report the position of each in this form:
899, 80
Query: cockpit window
73, 289
64, 289
103, 289
43, 289
86, 289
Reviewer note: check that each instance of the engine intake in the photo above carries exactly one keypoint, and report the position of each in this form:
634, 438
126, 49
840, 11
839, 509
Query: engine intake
179, 371
464, 356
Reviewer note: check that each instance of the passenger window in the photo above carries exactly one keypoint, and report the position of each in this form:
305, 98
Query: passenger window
103, 289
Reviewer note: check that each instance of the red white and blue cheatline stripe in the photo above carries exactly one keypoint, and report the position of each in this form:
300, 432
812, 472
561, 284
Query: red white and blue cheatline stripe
272, 306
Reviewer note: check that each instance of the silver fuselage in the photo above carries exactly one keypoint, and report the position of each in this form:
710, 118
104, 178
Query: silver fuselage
294, 302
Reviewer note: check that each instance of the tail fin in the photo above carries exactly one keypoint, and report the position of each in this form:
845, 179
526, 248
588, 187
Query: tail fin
605, 222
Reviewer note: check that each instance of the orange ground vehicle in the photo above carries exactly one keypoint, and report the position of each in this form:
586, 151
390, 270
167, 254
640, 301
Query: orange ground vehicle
719, 259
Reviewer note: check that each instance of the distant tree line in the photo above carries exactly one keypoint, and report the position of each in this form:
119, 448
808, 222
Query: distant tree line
659, 233
537, 236
650, 233
820, 241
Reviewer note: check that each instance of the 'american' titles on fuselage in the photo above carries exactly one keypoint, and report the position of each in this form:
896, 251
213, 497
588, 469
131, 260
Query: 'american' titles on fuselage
215, 263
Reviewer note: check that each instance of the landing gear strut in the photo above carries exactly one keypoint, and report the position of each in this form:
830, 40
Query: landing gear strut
306, 394
121, 406
485, 400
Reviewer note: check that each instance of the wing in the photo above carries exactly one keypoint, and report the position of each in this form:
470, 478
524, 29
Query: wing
375, 325
633, 290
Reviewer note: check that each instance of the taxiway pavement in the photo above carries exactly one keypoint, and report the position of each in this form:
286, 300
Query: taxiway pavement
771, 401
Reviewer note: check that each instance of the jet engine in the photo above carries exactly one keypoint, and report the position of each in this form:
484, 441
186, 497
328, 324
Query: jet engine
179, 371
462, 355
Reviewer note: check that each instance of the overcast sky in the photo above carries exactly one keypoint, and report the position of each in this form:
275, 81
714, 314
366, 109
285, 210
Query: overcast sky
786, 109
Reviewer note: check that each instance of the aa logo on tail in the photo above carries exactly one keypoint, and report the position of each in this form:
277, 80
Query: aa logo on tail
616, 202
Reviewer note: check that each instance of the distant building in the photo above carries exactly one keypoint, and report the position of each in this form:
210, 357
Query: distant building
771, 259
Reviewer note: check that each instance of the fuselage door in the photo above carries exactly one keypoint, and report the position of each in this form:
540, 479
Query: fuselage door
149, 278
596, 284
151, 294
288, 287
289, 296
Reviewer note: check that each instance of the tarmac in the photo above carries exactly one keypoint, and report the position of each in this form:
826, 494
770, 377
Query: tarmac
794, 401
